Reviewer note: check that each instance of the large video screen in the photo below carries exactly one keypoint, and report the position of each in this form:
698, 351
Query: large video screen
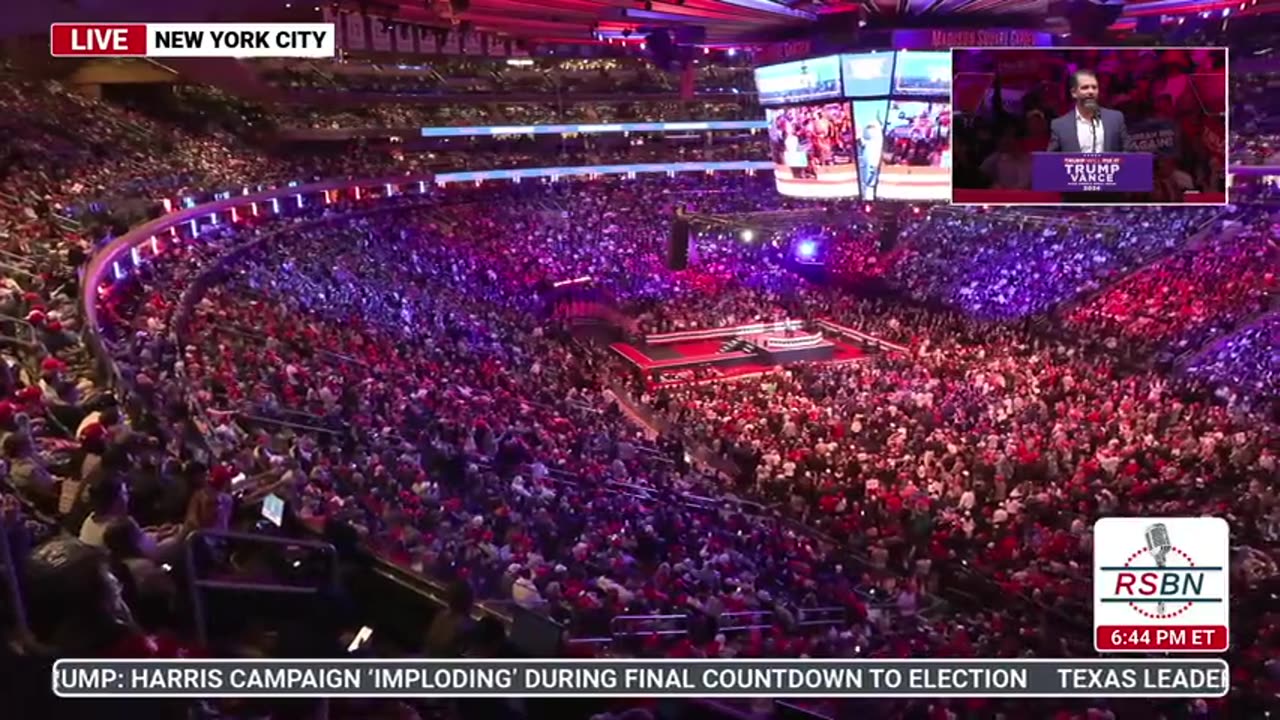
869, 121
812, 147
922, 73
914, 151
867, 74
1170, 103
801, 81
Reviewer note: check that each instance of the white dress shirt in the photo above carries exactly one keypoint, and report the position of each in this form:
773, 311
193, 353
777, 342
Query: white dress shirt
1091, 135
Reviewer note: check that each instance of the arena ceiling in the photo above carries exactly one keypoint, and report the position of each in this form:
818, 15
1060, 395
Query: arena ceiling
727, 22
724, 22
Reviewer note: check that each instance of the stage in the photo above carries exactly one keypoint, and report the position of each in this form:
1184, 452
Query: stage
725, 353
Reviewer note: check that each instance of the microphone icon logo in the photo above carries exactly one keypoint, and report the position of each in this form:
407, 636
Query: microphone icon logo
1159, 545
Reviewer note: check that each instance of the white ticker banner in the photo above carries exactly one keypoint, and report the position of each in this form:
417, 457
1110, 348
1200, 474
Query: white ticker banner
1136, 677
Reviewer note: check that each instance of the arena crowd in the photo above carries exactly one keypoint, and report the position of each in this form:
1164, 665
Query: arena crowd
400, 367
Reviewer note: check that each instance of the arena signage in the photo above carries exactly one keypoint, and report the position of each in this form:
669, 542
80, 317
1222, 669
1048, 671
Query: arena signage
945, 39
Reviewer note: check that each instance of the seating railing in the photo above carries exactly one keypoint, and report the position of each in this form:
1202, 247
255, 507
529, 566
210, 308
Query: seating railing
624, 626
198, 585
744, 621
820, 616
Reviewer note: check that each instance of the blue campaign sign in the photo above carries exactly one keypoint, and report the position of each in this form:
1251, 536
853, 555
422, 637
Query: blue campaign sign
1154, 136
922, 73
492, 130
867, 74
798, 82
1091, 172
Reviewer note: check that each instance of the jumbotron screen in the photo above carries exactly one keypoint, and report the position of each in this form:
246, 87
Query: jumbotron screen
897, 107
812, 149
904, 148
801, 81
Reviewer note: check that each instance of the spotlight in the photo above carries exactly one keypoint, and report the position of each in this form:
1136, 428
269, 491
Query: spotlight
748, 235
807, 250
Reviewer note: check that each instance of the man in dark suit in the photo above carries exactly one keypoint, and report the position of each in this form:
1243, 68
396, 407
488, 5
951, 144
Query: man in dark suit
1089, 127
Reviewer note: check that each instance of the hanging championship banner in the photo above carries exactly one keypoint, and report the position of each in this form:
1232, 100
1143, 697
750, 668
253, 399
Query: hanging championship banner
381, 32
357, 35
452, 42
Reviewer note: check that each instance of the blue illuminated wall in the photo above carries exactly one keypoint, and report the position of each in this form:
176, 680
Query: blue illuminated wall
490, 130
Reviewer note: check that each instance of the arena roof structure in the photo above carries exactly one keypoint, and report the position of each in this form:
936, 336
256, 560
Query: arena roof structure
690, 22
725, 22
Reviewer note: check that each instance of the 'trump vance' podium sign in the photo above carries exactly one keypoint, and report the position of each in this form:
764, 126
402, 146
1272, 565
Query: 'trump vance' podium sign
1091, 172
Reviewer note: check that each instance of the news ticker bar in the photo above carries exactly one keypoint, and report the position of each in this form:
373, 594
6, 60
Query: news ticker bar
231, 40
638, 678
487, 130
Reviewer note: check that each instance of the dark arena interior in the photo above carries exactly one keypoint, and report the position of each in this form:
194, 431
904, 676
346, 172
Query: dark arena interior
349, 357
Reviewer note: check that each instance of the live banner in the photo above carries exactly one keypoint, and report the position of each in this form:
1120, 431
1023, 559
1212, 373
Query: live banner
1091, 172
202, 678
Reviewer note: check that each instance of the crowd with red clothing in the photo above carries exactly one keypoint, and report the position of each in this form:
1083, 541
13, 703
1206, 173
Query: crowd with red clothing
1011, 265
486, 448
1181, 302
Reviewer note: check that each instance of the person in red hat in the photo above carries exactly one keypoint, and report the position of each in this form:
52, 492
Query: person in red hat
74, 492
30, 395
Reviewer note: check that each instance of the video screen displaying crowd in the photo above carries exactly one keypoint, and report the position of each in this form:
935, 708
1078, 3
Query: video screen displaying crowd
808, 136
393, 365
917, 134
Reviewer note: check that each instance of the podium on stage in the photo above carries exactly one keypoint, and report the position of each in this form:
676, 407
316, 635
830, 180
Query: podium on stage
1130, 172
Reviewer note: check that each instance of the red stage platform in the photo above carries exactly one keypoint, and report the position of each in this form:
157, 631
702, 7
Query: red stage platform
696, 355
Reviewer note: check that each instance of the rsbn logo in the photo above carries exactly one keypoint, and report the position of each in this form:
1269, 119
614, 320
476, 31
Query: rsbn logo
1160, 579
1164, 574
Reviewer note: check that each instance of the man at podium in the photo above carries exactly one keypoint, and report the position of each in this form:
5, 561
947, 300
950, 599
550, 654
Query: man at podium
1089, 127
